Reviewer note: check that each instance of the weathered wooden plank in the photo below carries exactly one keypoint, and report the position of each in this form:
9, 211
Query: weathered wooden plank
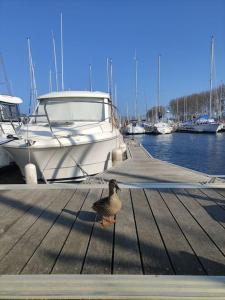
13, 206
154, 255
126, 251
214, 195
72, 256
99, 255
216, 198
10, 199
46, 254
20, 227
221, 192
181, 255
209, 255
206, 212
112, 287
16, 259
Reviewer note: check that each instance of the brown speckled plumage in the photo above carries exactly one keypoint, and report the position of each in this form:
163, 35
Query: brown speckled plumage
111, 205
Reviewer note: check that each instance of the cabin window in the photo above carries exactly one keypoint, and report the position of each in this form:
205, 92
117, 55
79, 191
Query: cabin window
72, 110
9, 112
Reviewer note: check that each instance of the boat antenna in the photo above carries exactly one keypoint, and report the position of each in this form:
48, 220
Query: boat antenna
108, 75
127, 113
33, 92
5, 77
90, 78
55, 62
211, 75
111, 80
136, 84
115, 94
50, 81
62, 52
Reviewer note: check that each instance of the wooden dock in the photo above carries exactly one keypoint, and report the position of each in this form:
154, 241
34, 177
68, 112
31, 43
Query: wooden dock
168, 235
169, 232
142, 167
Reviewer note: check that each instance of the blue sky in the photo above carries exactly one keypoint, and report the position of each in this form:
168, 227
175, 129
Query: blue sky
179, 30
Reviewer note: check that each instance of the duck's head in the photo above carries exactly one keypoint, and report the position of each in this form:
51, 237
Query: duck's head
113, 185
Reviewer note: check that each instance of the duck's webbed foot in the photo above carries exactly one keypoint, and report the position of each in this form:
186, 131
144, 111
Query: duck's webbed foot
106, 221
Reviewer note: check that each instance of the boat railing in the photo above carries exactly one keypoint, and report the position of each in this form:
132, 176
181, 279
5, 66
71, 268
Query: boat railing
113, 118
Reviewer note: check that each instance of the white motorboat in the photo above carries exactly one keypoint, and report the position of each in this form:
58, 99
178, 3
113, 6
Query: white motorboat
9, 122
134, 128
71, 136
162, 128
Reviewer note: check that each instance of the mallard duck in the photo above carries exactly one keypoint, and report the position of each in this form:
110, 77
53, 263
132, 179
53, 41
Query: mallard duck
109, 206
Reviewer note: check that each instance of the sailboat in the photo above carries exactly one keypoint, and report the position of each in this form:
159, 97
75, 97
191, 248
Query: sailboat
134, 127
160, 127
204, 122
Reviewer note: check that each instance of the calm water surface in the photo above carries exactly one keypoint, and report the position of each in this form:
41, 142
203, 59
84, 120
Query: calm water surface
201, 152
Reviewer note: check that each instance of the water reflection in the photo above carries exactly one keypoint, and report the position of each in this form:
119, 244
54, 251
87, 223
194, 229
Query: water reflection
201, 152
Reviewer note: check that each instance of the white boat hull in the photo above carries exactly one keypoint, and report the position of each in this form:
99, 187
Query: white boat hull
200, 128
162, 128
5, 158
67, 163
130, 129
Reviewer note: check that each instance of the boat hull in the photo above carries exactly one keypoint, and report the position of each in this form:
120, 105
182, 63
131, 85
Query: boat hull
130, 130
67, 163
5, 129
162, 128
201, 128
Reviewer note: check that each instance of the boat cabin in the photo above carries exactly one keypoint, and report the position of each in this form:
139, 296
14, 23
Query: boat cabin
68, 107
9, 110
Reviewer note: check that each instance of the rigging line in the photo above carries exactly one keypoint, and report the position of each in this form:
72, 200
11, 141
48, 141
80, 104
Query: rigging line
6, 81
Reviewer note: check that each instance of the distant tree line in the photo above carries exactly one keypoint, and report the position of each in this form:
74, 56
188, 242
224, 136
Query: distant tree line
184, 108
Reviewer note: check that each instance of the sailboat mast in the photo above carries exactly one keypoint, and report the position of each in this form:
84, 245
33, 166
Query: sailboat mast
62, 63
136, 85
55, 62
211, 75
158, 88
33, 95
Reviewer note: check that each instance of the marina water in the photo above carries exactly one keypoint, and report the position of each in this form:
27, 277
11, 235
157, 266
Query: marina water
200, 152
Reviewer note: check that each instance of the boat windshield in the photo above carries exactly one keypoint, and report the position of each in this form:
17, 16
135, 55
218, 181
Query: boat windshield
9, 112
71, 110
